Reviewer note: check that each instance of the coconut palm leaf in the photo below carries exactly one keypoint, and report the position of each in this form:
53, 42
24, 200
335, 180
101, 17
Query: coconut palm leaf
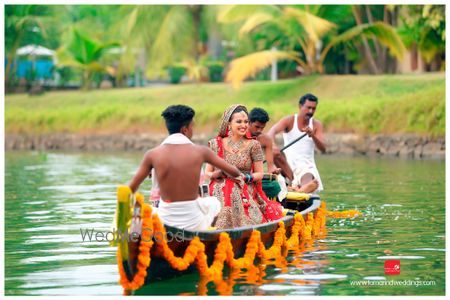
236, 13
253, 22
383, 32
430, 45
173, 41
293, 31
138, 28
132, 20
314, 26
247, 66
143, 22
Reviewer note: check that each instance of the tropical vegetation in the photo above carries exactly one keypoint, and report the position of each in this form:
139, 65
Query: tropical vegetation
200, 43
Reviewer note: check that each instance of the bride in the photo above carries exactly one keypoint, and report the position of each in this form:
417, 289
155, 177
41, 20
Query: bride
243, 200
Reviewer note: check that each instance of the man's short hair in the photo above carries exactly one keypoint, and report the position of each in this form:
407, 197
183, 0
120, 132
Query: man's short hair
258, 114
309, 97
177, 116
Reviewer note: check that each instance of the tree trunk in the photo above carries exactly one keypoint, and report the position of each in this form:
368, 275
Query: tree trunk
214, 43
196, 11
378, 47
9, 71
414, 57
394, 23
87, 79
141, 63
383, 56
367, 51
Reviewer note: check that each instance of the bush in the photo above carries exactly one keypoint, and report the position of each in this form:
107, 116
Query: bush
176, 73
215, 71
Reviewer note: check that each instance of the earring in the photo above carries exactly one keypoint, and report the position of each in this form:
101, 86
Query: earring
230, 133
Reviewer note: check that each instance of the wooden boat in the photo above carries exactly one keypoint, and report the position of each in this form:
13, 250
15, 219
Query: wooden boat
130, 253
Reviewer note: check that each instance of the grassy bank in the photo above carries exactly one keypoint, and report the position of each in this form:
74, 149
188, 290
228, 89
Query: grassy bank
361, 104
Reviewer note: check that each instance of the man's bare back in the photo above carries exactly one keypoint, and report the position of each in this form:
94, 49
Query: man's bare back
178, 169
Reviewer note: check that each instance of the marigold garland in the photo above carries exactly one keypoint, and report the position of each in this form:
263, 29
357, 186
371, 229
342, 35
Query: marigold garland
144, 257
195, 252
343, 214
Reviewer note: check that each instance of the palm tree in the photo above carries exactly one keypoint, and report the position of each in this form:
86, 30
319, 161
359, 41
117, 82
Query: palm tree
304, 30
84, 53
21, 21
423, 32
170, 35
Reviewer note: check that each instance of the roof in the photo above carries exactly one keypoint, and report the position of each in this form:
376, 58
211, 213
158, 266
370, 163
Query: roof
35, 50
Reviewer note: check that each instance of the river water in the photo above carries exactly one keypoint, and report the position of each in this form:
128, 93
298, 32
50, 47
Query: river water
50, 197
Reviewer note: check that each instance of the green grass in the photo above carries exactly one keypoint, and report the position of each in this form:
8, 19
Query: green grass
360, 104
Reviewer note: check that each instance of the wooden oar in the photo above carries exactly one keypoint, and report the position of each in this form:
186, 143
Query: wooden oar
291, 143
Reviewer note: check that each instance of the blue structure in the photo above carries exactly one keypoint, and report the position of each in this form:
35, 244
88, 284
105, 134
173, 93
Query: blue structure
43, 68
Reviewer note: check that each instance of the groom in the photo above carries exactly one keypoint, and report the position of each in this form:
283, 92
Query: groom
177, 163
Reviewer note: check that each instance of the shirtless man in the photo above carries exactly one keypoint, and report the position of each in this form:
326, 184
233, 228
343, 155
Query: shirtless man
300, 155
258, 118
177, 163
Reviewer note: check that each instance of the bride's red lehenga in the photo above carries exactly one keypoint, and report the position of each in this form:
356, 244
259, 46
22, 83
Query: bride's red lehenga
242, 203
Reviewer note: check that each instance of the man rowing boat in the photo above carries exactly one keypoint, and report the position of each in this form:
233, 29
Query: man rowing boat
177, 163
300, 155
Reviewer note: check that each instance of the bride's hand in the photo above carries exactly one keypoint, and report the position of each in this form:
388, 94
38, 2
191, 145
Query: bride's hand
239, 179
217, 174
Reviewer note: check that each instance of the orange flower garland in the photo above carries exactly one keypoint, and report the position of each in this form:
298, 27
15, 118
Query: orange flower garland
343, 214
195, 252
144, 254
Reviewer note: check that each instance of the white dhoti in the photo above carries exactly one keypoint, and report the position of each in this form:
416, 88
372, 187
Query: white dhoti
190, 215
304, 167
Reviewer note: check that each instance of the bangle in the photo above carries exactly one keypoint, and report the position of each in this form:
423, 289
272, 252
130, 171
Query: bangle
248, 178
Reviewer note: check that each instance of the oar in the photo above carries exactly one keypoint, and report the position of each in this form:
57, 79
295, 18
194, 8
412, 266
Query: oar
291, 143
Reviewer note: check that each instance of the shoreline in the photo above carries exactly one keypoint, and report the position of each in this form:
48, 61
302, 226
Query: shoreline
394, 145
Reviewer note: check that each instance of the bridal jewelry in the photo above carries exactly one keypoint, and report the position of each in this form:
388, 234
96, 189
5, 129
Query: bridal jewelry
235, 146
230, 133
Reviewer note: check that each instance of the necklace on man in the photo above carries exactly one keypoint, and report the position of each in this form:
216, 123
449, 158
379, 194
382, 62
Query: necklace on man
235, 146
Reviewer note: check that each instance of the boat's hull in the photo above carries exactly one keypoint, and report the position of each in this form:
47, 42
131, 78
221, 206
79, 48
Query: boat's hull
179, 240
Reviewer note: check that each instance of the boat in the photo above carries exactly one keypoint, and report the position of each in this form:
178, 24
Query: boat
156, 251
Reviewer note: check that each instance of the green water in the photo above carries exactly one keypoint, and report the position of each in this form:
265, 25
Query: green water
49, 197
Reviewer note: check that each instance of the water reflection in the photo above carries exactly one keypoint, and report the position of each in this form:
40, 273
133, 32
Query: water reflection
50, 197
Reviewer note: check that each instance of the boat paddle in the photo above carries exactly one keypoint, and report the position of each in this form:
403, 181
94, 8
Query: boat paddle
291, 143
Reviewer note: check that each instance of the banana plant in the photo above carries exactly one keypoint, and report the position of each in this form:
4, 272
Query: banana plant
84, 53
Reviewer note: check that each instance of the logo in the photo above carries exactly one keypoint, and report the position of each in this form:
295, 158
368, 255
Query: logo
392, 267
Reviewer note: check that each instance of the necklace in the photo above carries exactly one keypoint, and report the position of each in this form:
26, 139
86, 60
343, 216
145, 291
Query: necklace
235, 146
